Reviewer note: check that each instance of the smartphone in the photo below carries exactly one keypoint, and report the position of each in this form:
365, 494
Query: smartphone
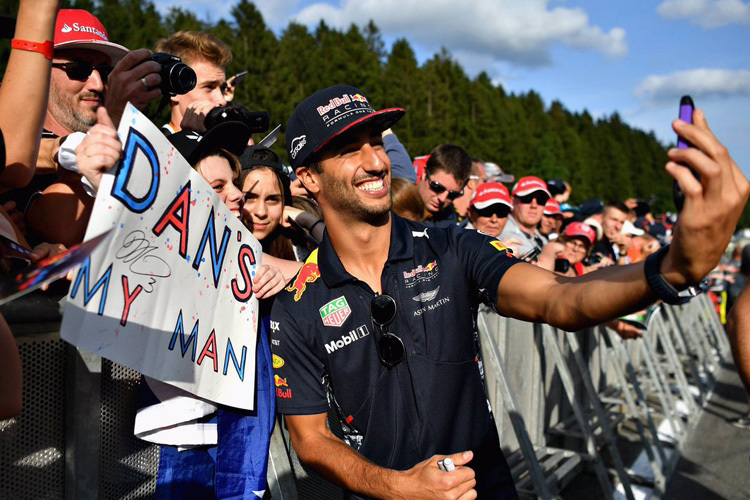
530, 255
686, 114
238, 78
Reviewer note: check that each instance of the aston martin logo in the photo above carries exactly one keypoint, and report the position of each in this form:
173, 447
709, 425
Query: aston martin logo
426, 296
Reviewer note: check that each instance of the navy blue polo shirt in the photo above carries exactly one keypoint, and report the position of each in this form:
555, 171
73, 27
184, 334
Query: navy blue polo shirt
324, 346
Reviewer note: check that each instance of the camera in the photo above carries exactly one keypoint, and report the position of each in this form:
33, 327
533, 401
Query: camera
594, 259
562, 266
176, 76
257, 121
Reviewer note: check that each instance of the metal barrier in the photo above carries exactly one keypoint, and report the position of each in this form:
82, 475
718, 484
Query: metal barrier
561, 402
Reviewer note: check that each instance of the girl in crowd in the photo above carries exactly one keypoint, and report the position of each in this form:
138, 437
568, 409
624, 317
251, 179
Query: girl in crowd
268, 210
566, 254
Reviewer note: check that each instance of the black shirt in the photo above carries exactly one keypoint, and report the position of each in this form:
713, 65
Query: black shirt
323, 341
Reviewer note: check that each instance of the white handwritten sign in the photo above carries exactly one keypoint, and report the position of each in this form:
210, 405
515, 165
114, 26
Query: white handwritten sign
169, 294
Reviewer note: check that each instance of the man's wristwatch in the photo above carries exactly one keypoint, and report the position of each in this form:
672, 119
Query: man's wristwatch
662, 288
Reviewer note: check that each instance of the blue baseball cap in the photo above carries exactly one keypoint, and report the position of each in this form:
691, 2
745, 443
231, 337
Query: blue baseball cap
329, 113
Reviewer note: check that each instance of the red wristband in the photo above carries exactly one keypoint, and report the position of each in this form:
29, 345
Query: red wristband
45, 48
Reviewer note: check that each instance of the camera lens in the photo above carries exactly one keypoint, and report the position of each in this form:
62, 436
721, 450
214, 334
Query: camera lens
182, 78
176, 76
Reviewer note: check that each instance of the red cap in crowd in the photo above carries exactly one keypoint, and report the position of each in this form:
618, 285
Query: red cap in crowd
79, 29
530, 184
552, 207
490, 193
579, 229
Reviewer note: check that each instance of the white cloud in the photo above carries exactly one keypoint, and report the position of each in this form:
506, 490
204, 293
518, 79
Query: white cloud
697, 82
707, 13
505, 30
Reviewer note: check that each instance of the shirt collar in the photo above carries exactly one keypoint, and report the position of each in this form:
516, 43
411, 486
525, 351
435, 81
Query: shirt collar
401, 248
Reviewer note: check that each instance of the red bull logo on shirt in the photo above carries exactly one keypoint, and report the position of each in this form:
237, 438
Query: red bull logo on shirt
307, 274
421, 273
279, 382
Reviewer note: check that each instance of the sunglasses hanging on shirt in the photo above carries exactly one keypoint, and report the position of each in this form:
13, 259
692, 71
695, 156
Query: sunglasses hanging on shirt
390, 346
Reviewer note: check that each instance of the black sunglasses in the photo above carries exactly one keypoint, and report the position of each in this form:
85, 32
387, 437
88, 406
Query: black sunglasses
540, 198
390, 347
500, 210
438, 188
81, 70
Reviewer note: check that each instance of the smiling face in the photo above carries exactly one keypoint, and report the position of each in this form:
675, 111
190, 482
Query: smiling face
353, 177
575, 249
73, 103
264, 202
219, 174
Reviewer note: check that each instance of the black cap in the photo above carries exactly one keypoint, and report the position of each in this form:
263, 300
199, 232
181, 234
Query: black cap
591, 207
232, 136
249, 161
327, 114
556, 186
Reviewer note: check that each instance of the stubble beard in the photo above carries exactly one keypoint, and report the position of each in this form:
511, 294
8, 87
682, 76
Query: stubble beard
65, 110
343, 199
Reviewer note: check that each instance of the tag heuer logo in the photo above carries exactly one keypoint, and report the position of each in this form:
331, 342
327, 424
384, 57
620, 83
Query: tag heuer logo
335, 312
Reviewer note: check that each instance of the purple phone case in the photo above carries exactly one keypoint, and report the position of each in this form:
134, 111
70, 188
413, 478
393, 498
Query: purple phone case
686, 115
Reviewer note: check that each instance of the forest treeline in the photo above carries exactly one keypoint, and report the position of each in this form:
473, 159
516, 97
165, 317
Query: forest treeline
600, 157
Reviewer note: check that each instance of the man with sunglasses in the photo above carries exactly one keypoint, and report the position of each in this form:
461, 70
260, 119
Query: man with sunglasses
530, 195
489, 208
379, 322
445, 175
88, 71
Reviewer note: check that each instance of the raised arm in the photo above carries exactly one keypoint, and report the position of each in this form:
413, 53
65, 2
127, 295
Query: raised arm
712, 208
317, 447
23, 94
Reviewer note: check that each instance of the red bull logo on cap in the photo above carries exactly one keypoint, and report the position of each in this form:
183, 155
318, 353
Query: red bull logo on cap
359, 97
309, 273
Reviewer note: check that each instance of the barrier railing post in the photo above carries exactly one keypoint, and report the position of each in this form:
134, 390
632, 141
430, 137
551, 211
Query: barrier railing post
511, 406
676, 334
601, 415
665, 340
550, 344
635, 412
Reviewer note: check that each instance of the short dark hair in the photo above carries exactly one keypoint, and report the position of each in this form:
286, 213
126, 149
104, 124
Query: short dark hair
454, 160
617, 206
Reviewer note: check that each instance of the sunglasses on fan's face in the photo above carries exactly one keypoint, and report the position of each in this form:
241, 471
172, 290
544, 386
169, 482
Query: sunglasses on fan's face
540, 198
438, 188
390, 346
81, 70
501, 211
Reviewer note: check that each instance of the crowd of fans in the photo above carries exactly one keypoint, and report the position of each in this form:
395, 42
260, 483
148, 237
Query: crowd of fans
60, 104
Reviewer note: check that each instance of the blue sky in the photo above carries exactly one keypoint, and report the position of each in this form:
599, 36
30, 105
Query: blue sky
633, 57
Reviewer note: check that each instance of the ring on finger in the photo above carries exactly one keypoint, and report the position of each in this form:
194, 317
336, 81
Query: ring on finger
145, 83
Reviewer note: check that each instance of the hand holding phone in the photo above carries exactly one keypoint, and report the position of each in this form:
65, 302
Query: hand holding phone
686, 114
